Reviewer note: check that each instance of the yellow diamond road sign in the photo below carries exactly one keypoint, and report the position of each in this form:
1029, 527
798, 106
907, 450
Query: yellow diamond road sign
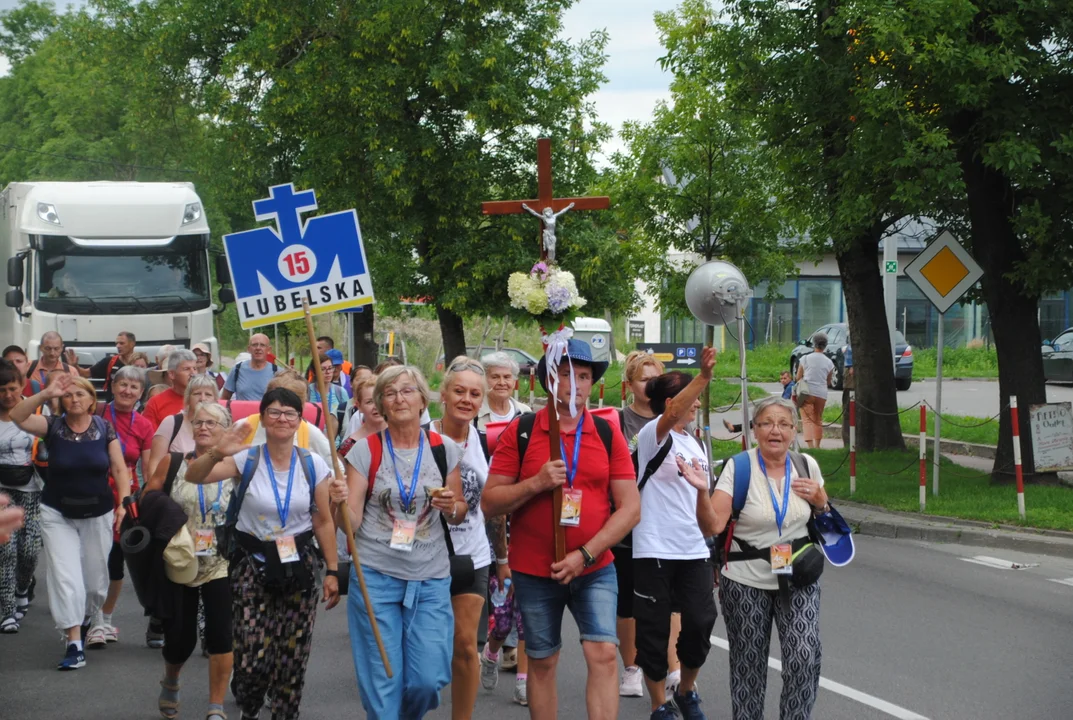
944, 271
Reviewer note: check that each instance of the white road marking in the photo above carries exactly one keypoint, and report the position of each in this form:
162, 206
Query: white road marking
1067, 581
999, 563
843, 690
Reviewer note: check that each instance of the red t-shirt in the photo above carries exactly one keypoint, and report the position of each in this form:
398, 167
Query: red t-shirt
532, 540
166, 403
135, 436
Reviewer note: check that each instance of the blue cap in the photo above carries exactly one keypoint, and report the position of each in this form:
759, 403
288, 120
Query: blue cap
836, 538
580, 351
335, 356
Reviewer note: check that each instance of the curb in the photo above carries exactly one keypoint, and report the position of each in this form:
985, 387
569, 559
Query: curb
870, 521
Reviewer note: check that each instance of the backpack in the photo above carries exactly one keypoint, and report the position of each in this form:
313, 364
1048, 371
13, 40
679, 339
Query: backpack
179, 417
234, 371
108, 373
35, 384
742, 476
175, 461
301, 438
527, 421
226, 540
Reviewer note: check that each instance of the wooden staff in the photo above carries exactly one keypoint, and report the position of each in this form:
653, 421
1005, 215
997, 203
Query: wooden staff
345, 514
557, 493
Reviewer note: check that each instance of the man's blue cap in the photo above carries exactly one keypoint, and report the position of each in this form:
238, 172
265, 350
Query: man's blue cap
580, 351
836, 538
335, 356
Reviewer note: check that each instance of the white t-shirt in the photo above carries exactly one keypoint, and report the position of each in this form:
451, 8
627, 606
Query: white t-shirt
668, 528
817, 367
184, 441
468, 536
355, 422
259, 515
756, 524
15, 448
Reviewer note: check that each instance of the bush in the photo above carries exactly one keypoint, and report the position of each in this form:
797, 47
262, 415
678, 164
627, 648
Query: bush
965, 362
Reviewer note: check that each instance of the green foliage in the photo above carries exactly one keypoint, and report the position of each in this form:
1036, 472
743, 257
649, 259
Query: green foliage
957, 363
964, 493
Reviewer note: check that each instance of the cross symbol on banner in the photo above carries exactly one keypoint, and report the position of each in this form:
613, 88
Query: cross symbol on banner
286, 207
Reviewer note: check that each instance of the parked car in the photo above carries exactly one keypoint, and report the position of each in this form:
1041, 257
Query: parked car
1058, 358
526, 362
838, 341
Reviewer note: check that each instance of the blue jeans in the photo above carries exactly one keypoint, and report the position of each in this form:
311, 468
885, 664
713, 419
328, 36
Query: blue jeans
592, 600
415, 619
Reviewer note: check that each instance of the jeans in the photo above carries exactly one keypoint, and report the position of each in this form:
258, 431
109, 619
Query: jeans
592, 600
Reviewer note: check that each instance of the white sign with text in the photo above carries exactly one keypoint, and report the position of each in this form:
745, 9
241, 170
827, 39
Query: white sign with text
1052, 436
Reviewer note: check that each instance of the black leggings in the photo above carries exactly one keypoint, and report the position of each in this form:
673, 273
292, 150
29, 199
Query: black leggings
180, 632
657, 584
115, 563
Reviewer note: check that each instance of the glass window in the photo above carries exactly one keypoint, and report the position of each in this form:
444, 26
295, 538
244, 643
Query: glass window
819, 303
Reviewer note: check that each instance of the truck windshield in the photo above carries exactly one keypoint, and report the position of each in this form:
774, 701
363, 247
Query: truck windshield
117, 280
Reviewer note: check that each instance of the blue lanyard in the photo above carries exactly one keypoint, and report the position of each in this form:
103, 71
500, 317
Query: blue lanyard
283, 508
219, 492
571, 469
406, 496
115, 424
780, 515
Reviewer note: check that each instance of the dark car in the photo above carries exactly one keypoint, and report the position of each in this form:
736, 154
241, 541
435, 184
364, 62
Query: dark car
1058, 358
526, 362
838, 342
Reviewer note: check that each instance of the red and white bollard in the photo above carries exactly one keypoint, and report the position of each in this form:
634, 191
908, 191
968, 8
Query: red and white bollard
923, 456
1017, 457
852, 442
517, 387
623, 395
601, 392
532, 387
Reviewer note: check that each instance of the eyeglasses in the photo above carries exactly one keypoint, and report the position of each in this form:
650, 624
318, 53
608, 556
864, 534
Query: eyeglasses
467, 365
407, 393
276, 414
767, 425
210, 424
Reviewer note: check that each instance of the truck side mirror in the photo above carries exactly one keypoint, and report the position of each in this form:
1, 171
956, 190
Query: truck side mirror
14, 298
223, 273
15, 272
227, 296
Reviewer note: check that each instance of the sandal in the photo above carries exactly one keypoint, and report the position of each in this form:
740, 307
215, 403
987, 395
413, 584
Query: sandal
10, 625
216, 715
168, 703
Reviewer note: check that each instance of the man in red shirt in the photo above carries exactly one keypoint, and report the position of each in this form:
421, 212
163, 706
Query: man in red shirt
181, 364
585, 580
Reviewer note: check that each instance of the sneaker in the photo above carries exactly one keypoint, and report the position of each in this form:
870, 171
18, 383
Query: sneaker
521, 695
111, 633
84, 631
508, 659
631, 683
689, 705
665, 711
672, 681
489, 670
73, 660
96, 639
154, 635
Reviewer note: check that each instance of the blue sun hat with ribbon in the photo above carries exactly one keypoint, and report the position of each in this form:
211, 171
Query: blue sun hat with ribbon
580, 351
835, 537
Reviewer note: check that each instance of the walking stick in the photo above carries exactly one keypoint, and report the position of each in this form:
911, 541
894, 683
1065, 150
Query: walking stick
322, 388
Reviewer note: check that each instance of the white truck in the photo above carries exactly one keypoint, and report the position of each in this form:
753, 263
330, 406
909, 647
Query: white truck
91, 259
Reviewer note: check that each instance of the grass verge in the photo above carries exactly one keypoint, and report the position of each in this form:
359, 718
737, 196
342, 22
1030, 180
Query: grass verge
963, 428
963, 492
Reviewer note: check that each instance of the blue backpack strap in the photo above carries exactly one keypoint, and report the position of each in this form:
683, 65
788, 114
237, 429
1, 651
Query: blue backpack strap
743, 470
310, 470
250, 467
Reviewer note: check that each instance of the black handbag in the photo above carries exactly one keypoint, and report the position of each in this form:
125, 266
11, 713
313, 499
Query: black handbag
14, 476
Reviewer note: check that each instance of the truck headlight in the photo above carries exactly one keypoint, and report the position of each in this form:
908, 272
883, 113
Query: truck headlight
47, 212
192, 213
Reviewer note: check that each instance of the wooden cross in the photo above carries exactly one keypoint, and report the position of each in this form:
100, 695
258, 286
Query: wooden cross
545, 196
546, 199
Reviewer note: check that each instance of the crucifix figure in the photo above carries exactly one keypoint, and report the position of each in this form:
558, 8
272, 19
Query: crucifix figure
546, 206
549, 209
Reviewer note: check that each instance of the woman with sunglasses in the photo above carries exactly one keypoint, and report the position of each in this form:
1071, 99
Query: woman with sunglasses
205, 507
273, 568
398, 500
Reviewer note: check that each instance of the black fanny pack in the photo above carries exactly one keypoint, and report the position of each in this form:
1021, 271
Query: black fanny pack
275, 575
807, 562
16, 475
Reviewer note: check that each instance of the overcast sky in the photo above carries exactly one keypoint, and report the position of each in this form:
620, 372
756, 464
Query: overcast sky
635, 81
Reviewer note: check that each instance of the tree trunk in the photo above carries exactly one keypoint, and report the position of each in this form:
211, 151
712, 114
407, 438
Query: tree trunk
878, 425
453, 333
363, 348
1013, 310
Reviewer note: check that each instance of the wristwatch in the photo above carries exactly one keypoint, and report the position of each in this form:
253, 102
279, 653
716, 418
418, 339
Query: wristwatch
589, 559
332, 573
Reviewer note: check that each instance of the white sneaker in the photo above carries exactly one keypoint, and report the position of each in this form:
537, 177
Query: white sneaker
489, 671
632, 682
111, 633
96, 638
521, 695
674, 679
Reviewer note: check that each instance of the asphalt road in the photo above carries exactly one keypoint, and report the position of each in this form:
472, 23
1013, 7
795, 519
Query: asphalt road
910, 630
975, 398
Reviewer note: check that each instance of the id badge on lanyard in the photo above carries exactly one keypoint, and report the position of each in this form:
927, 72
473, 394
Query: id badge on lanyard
571, 508
781, 553
404, 529
285, 544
